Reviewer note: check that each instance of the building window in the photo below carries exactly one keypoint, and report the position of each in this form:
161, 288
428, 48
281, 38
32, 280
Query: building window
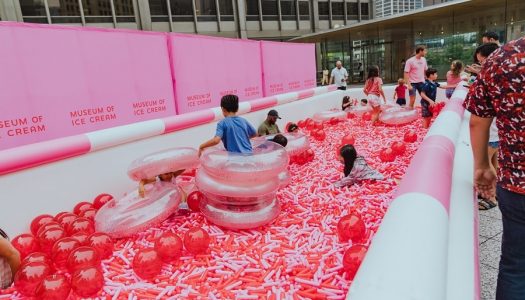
124, 11
205, 10
338, 11
67, 11
364, 9
288, 10
33, 11
270, 10
158, 10
226, 9
97, 11
181, 10
304, 10
324, 10
252, 10
351, 10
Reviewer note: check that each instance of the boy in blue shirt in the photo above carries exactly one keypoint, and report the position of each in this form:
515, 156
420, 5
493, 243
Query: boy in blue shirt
428, 95
235, 132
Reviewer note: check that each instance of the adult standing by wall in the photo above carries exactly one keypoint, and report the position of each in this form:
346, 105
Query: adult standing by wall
415, 68
498, 93
339, 76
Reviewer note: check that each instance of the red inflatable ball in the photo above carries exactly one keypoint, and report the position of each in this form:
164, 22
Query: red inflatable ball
82, 206
49, 237
66, 219
350, 115
25, 243
87, 282
101, 242
351, 227
60, 215
320, 135
333, 121
169, 247
367, 116
82, 237
310, 125
398, 148
319, 126
40, 221
29, 276
81, 225
301, 124
100, 200
83, 257
89, 214
348, 140
147, 263
410, 136
310, 154
387, 155
194, 200
37, 257
53, 287
352, 259
45, 227
196, 240
61, 251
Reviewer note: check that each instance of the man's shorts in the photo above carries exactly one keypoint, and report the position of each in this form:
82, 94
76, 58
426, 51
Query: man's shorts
425, 109
416, 86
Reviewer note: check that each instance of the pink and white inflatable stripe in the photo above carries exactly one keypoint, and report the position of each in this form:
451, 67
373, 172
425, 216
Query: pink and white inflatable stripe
408, 258
32, 155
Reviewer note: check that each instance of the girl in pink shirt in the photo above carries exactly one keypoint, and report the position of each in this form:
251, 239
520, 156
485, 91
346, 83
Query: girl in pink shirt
373, 89
9, 261
454, 77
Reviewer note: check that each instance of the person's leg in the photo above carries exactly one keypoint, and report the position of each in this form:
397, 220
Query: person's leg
426, 122
375, 114
412, 94
511, 277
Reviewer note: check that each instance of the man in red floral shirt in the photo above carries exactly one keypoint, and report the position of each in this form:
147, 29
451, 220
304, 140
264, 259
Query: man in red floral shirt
499, 93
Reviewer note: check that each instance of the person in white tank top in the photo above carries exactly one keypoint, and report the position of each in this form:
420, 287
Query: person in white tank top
9, 261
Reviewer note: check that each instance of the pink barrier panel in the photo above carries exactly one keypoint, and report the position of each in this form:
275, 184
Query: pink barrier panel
430, 169
28, 156
62, 81
206, 68
287, 67
263, 103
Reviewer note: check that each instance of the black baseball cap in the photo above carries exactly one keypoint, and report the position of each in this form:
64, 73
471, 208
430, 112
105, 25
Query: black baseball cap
274, 113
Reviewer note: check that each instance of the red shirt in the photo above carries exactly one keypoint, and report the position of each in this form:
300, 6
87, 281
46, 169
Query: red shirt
401, 91
499, 92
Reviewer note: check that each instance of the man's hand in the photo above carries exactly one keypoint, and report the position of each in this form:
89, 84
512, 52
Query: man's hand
485, 182
474, 68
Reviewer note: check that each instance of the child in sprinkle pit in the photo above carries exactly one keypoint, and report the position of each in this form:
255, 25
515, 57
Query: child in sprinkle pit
400, 92
373, 89
234, 132
429, 94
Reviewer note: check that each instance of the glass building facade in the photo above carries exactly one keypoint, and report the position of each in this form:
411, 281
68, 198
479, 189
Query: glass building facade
450, 31
257, 19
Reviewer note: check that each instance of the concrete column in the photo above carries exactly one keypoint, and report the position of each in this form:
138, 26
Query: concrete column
359, 10
330, 14
143, 14
314, 15
240, 15
194, 8
346, 12
10, 10
279, 17
218, 15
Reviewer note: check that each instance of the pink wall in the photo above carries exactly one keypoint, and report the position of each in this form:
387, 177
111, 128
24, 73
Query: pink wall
206, 68
62, 81
287, 67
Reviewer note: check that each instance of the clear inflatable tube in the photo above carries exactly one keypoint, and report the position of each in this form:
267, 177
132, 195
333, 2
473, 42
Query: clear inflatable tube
359, 109
329, 114
266, 162
131, 214
161, 162
284, 179
209, 184
398, 116
297, 142
241, 216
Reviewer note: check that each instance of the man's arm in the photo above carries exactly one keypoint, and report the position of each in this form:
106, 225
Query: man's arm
484, 175
409, 85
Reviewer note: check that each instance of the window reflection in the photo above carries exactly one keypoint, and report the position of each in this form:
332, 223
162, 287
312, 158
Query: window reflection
269, 10
33, 11
98, 11
64, 11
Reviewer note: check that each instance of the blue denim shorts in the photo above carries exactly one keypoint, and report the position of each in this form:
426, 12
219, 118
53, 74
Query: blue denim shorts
494, 144
416, 86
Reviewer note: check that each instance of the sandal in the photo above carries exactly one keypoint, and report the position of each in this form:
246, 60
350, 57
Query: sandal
485, 204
